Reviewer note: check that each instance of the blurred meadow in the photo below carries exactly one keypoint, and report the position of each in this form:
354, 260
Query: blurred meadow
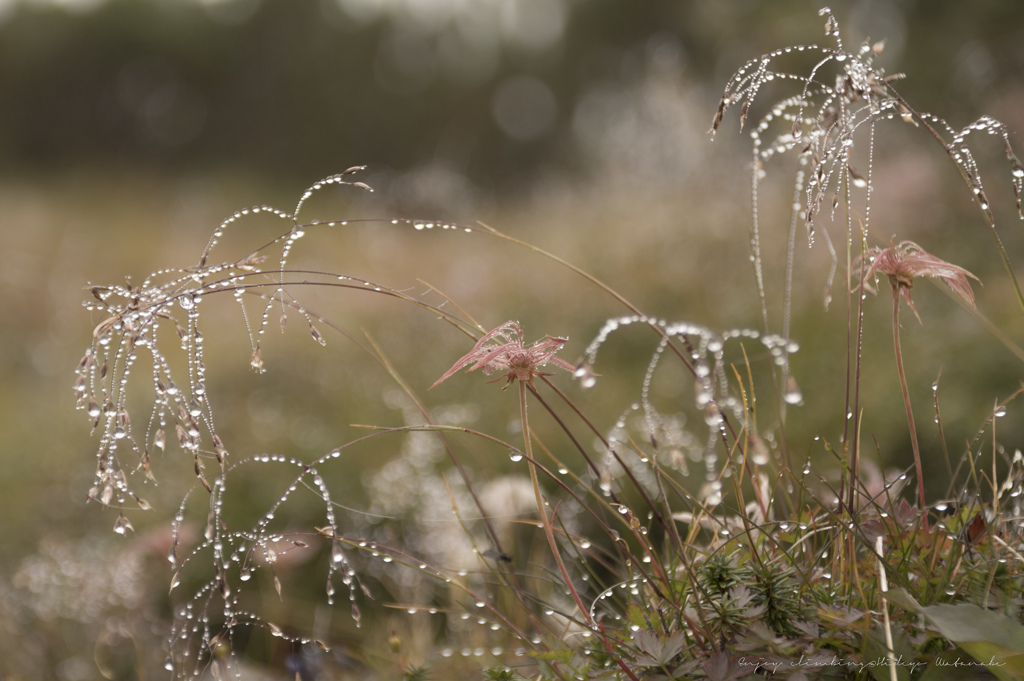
129, 129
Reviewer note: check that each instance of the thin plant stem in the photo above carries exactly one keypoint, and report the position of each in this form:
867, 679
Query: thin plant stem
545, 521
554, 414
906, 400
853, 458
549, 533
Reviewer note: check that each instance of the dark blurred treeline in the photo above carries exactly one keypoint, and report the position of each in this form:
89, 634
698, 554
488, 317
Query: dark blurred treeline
492, 89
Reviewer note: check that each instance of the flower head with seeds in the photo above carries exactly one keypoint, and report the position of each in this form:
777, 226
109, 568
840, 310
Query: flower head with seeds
904, 261
502, 350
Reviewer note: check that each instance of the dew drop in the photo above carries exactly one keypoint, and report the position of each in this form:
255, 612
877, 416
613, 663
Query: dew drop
793, 395
122, 525
759, 455
514, 454
712, 417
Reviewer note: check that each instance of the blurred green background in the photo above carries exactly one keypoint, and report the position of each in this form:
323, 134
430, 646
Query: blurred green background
130, 128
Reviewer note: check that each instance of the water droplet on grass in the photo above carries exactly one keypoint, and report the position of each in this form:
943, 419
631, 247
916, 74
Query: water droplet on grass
793, 395
759, 455
122, 525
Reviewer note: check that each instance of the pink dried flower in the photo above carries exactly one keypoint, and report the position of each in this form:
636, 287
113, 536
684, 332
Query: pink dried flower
502, 350
904, 261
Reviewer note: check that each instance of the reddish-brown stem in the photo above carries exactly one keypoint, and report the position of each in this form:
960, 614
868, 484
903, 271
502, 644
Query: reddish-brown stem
549, 532
906, 399
852, 439
545, 522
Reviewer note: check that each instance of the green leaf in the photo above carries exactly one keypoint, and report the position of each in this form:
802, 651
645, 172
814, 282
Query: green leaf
658, 651
901, 598
416, 674
635, 615
992, 639
722, 667
501, 674
563, 656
